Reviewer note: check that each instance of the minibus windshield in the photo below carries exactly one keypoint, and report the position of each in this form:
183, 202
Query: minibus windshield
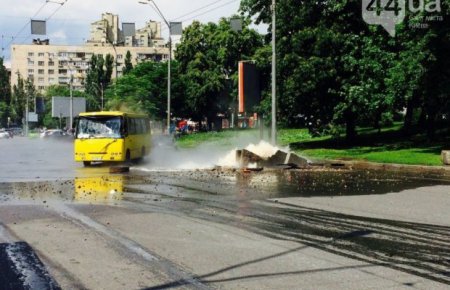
99, 127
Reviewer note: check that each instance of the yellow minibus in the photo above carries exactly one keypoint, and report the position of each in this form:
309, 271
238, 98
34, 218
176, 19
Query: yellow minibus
111, 136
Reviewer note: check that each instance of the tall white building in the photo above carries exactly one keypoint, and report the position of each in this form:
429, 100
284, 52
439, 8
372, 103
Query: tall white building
47, 64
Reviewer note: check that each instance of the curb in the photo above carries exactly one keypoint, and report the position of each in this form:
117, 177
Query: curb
391, 166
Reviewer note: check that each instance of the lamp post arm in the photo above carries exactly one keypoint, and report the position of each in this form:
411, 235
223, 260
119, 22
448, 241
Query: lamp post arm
169, 81
161, 15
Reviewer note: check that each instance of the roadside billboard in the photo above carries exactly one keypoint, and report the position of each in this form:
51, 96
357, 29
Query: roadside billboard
61, 106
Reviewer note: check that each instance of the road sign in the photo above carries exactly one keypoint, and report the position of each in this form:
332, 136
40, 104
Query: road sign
176, 28
128, 29
38, 27
61, 106
32, 117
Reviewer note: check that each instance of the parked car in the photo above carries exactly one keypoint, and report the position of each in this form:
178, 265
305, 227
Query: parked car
54, 133
16, 131
4, 134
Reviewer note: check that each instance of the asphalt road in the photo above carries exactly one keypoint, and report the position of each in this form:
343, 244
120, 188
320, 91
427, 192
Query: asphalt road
63, 226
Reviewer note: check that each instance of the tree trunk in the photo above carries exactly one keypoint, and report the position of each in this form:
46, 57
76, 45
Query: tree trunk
423, 118
350, 130
431, 121
407, 123
377, 122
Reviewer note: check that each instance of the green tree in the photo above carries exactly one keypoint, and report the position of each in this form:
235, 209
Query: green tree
5, 95
109, 64
18, 100
209, 56
144, 89
335, 69
98, 78
24, 91
128, 66
420, 78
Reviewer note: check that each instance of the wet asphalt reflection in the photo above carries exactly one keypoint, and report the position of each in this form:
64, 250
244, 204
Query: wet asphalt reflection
253, 201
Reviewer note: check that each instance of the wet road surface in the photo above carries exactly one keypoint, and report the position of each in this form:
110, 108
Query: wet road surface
214, 228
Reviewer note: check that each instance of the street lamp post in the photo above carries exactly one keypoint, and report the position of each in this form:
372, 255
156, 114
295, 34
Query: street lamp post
71, 97
26, 114
274, 67
71, 103
168, 63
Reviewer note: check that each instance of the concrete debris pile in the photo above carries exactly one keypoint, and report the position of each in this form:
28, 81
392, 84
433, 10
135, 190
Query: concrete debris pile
248, 159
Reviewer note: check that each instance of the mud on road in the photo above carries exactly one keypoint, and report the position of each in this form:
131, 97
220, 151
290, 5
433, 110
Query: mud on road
98, 218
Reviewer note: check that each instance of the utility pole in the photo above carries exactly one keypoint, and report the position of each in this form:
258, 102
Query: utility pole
169, 83
71, 97
168, 63
26, 114
71, 103
274, 77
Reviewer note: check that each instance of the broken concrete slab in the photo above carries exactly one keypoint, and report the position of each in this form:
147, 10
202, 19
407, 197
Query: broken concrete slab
445, 156
278, 158
244, 157
286, 158
293, 158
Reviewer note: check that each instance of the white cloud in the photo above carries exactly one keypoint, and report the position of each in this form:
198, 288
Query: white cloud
59, 34
7, 64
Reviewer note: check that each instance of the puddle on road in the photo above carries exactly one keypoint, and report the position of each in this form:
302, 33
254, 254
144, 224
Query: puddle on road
92, 185
99, 185
99, 188
292, 183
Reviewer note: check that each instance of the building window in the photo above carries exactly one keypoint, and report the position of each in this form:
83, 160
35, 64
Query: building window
51, 63
40, 63
63, 80
40, 80
51, 80
119, 56
31, 54
40, 71
30, 62
41, 54
51, 71
41, 88
30, 71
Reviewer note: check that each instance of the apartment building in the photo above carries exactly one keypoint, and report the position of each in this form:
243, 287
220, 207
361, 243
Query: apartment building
47, 64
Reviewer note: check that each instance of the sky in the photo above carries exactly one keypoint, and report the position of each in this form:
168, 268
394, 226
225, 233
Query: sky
70, 23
